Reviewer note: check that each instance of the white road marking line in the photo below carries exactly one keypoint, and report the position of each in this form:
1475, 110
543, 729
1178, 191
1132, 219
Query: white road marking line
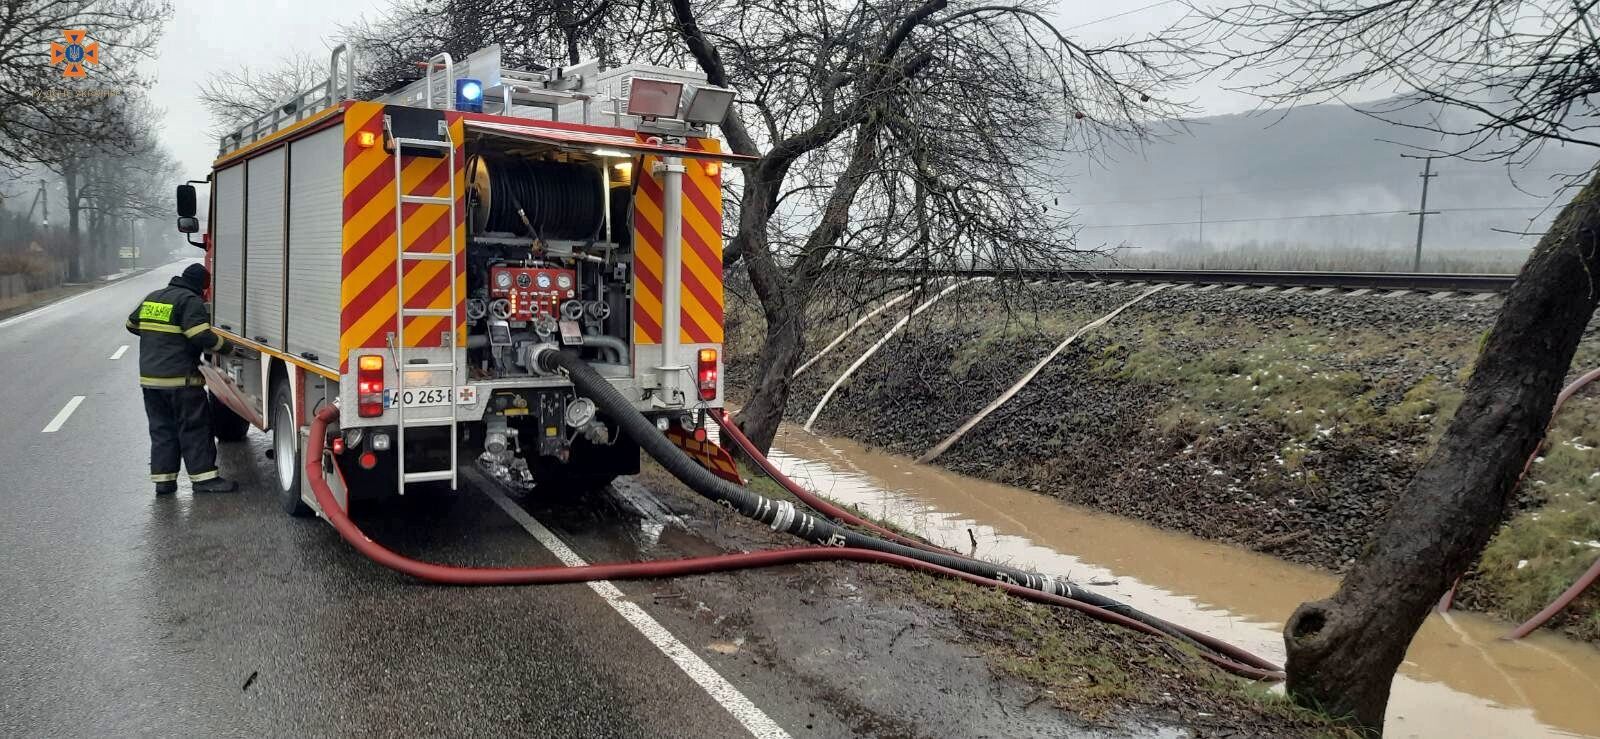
66, 412
121, 350
754, 720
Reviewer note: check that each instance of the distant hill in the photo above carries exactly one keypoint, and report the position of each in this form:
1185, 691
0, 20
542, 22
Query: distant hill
1240, 184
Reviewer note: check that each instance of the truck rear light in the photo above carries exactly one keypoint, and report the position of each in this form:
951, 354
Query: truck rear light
369, 385
707, 374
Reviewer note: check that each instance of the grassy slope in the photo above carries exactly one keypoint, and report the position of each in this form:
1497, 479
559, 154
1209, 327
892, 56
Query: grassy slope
1291, 426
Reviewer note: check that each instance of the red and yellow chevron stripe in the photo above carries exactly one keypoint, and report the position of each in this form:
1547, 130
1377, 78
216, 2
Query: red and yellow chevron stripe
702, 250
369, 281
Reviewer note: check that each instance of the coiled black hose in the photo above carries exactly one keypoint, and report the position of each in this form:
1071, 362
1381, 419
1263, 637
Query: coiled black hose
783, 516
559, 200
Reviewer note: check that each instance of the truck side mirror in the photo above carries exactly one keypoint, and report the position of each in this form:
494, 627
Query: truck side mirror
186, 205
187, 222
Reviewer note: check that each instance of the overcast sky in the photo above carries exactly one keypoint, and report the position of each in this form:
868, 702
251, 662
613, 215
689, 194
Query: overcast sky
206, 36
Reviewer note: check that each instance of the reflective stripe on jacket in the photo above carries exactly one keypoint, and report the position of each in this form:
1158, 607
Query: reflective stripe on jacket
174, 327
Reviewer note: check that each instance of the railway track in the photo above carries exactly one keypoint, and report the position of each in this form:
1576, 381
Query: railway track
1412, 281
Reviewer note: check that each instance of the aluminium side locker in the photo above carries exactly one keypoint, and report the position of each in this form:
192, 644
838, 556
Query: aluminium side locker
264, 248
316, 224
227, 257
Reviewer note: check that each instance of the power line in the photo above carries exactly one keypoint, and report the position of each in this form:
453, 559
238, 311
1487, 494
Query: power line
1321, 186
1302, 217
1118, 15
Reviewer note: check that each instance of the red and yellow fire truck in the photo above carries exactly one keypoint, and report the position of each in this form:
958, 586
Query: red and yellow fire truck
406, 256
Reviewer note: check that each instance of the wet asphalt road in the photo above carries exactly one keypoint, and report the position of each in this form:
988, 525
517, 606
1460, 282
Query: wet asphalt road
127, 614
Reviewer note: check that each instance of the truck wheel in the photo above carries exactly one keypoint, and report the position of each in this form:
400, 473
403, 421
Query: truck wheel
225, 424
286, 452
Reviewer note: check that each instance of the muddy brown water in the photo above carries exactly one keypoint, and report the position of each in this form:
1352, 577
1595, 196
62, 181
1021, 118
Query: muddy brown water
1459, 679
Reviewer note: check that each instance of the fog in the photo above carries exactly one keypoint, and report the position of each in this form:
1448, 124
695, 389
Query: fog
1270, 183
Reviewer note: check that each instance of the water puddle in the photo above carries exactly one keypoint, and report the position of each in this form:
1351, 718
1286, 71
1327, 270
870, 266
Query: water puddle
1459, 679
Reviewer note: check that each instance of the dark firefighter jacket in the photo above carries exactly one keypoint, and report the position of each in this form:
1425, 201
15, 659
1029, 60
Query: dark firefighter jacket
174, 327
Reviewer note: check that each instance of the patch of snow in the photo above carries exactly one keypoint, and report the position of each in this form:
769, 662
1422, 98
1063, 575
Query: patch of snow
1521, 563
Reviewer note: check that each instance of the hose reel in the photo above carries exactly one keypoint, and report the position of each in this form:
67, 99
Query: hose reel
536, 198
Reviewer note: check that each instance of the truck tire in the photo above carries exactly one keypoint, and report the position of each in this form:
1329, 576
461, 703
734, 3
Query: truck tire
225, 424
286, 452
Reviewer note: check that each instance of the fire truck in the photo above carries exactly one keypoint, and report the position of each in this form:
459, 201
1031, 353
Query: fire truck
406, 256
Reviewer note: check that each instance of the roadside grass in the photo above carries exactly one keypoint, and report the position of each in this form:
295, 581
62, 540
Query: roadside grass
1538, 553
1099, 671
1293, 374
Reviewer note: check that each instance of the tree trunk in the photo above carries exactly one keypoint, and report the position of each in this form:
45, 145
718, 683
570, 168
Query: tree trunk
1343, 651
75, 264
781, 353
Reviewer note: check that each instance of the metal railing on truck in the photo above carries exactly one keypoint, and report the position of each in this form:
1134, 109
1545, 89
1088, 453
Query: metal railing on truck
298, 107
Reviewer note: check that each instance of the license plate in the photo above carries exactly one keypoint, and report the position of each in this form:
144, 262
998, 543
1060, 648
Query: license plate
423, 397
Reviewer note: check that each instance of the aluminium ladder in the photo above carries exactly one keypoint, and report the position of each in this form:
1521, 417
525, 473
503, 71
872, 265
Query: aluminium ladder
402, 311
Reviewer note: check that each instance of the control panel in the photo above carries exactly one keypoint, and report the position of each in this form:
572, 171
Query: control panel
529, 291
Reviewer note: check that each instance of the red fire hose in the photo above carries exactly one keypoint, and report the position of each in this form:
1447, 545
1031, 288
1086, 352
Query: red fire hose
1250, 666
1587, 578
1593, 573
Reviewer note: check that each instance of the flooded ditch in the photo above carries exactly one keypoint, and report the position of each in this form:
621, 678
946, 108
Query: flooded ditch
1459, 679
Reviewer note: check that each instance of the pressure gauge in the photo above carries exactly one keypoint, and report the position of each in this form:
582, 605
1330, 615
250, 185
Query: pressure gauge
502, 280
523, 280
564, 281
544, 281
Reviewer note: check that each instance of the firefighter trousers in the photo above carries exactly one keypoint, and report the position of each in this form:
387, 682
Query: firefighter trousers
180, 429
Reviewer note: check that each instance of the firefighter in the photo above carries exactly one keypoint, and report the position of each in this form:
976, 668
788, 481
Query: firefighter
174, 327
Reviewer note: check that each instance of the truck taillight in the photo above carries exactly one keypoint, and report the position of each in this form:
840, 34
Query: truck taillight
369, 385
707, 374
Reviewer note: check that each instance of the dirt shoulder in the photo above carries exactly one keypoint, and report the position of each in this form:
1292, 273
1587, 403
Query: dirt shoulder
20, 304
905, 654
1282, 423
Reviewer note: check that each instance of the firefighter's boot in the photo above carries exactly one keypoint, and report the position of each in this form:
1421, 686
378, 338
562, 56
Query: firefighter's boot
166, 488
216, 485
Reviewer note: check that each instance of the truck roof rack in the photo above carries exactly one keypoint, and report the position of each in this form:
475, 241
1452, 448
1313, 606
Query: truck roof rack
564, 94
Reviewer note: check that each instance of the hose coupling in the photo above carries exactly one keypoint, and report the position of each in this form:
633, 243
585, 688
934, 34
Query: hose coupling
540, 359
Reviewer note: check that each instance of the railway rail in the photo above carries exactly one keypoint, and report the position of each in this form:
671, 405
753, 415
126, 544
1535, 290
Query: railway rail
1415, 281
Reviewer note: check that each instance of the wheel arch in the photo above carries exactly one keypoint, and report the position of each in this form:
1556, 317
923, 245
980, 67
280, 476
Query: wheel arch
279, 371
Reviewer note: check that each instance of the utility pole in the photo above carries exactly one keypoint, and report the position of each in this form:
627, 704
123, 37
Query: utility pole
40, 195
1422, 211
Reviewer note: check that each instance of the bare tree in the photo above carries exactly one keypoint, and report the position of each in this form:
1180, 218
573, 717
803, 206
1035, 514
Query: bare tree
533, 34
237, 96
37, 105
1527, 73
903, 134
120, 171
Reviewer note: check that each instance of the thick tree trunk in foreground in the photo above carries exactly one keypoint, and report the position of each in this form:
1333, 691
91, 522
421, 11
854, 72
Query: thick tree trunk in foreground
1343, 651
781, 353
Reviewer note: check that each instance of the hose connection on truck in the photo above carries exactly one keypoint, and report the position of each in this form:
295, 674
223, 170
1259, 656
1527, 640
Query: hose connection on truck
834, 542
